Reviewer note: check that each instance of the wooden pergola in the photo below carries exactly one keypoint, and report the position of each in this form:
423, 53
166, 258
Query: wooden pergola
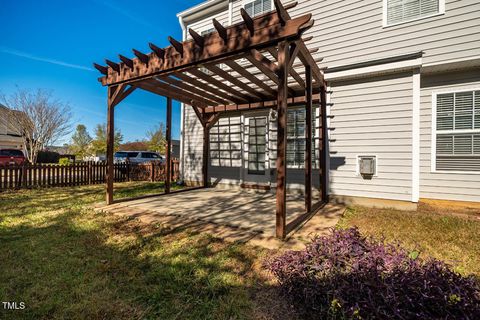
261, 62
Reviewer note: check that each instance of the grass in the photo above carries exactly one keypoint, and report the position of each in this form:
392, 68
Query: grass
431, 231
64, 260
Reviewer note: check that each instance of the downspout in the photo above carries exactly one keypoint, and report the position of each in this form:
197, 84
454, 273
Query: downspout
182, 113
230, 12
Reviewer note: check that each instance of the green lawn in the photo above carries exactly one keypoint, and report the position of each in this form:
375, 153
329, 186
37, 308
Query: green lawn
448, 237
66, 261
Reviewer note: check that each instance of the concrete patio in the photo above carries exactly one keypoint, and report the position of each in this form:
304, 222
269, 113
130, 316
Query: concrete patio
238, 215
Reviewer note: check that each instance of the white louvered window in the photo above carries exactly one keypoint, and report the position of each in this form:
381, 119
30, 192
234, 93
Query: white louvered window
457, 131
258, 7
397, 11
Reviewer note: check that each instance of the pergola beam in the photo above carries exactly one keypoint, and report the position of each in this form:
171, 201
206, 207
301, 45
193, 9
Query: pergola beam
291, 101
178, 91
294, 49
244, 73
157, 90
236, 96
228, 77
211, 90
190, 88
180, 56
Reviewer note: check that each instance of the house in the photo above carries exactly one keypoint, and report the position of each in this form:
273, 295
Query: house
403, 103
10, 137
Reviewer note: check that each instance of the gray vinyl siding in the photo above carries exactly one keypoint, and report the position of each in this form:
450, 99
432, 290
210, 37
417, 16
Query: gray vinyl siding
192, 136
351, 31
448, 186
206, 23
372, 117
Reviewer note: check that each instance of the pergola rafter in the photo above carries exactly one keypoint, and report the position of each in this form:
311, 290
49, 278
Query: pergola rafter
230, 70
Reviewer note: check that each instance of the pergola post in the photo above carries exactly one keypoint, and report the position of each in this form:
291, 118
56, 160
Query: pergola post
169, 145
110, 144
324, 141
115, 95
308, 138
281, 164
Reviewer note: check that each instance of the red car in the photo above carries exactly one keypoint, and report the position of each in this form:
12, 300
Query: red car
11, 156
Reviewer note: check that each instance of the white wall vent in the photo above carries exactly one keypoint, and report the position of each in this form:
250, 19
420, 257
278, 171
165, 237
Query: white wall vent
367, 166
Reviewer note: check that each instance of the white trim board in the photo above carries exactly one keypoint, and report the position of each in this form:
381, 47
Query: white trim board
374, 70
416, 135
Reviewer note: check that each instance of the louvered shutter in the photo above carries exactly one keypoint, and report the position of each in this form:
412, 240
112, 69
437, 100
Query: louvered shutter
464, 110
476, 108
249, 9
457, 148
258, 7
405, 10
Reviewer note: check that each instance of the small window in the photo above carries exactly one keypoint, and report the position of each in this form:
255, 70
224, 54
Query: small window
457, 131
226, 142
132, 154
258, 7
296, 138
398, 11
257, 132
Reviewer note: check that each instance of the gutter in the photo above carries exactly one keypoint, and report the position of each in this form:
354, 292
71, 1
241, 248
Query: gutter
198, 7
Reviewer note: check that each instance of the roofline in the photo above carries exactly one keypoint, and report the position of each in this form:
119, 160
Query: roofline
198, 7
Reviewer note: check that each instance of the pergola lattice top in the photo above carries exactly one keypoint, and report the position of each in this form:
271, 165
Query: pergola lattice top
225, 69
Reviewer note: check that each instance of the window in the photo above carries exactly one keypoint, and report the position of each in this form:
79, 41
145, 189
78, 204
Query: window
398, 11
296, 138
257, 142
225, 143
457, 131
258, 7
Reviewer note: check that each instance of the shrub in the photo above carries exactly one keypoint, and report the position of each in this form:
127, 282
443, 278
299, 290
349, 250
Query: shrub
345, 275
64, 161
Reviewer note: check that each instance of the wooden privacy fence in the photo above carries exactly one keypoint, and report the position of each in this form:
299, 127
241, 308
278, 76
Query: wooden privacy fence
14, 176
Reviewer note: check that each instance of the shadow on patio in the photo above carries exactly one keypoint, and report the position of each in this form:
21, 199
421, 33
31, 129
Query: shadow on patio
237, 215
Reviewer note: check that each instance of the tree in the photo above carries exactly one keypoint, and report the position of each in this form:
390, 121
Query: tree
40, 118
81, 141
99, 143
156, 138
134, 145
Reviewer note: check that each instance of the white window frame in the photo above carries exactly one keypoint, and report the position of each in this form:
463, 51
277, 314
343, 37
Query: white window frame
433, 147
441, 11
245, 2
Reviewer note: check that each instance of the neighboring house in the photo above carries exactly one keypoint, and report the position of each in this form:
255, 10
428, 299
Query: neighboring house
10, 137
404, 93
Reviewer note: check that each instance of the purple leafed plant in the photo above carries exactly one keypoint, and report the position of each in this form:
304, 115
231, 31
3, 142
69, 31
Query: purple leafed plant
348, 276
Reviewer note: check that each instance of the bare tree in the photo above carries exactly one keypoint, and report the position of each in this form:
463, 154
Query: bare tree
40, 118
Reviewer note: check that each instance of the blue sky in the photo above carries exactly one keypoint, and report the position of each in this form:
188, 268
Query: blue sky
52, 44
